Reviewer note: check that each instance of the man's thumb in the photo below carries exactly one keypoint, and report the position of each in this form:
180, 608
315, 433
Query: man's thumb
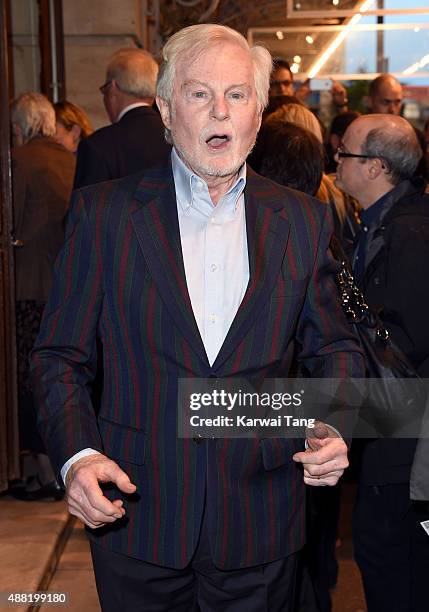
123, 482
320, 431
314, 434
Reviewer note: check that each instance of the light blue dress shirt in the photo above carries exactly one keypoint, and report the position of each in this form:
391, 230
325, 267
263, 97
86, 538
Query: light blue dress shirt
214, 247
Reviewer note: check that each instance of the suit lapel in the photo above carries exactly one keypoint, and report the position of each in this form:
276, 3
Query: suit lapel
267, 236
155, 221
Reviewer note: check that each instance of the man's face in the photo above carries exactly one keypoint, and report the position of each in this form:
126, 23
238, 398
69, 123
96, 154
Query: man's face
281, 82
351, 175
213, 116
388, 98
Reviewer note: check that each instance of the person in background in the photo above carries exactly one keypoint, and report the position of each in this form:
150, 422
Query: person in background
135, 139
327, 192
281, 82
72, 125
385, 95
42, 176
338, 126
376, 164
293, 158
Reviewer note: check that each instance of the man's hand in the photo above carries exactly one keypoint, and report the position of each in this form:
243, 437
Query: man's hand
325, 459
84, 496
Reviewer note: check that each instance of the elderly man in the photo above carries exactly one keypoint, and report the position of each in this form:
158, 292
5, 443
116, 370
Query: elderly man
135, 139
194, 269
385, 95
376, 162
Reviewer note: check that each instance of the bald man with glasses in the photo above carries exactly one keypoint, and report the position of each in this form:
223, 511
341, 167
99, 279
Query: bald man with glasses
376, 163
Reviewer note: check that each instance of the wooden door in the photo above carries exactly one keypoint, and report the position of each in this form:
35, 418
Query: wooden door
9, 446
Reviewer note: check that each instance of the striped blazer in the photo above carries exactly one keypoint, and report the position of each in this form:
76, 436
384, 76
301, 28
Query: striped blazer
120, 279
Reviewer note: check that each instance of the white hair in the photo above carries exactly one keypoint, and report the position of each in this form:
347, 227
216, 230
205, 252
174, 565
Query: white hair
135, 72
194, 40
34, 114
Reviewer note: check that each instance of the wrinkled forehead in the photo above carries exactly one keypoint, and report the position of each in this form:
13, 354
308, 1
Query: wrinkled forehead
222, 60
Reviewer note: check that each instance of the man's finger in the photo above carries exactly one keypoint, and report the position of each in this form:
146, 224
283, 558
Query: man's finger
111, 472
333, 448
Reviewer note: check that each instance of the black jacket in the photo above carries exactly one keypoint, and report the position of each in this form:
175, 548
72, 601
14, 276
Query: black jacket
395, 285
134, 143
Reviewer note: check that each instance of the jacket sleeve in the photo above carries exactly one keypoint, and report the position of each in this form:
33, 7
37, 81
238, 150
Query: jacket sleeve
64, 360
91, 165
329, 348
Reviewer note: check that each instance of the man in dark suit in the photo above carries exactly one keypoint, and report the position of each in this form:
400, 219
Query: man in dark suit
197, 269
135, 140
376, 162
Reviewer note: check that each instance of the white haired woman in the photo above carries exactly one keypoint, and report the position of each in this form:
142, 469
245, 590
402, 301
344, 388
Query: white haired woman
42, 174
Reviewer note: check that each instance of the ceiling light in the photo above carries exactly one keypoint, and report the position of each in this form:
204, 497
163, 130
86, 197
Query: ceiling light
318, 65
417, 29
335, 2
297, 59
280, 35
294, 68
414, 67
309, 39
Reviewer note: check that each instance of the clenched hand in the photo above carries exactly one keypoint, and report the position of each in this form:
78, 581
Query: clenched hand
84, 495
325, 459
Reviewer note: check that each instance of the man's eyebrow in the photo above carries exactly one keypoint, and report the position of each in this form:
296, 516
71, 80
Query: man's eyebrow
191, 82
194, 82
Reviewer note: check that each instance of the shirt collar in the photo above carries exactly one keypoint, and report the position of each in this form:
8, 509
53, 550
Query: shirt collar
130, 107
192, 191
374, 213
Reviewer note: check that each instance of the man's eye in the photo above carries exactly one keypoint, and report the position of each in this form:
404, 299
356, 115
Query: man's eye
236, 95
199, 94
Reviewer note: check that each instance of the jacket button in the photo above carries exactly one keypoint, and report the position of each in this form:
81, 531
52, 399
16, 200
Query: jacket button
376, 280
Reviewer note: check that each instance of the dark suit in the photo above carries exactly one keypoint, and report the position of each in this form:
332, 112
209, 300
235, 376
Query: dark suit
134, 143
121, 275
392, 559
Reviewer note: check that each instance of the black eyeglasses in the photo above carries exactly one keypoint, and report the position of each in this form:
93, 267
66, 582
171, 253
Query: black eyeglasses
104, 87
342, 153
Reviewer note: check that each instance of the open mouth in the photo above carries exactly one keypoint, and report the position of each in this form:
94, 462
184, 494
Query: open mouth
218, 141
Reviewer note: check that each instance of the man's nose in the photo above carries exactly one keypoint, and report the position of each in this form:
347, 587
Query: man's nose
220, 109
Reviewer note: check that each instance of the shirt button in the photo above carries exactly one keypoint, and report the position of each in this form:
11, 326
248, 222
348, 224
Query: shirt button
212, 220
212, 318
213, 267
365, 229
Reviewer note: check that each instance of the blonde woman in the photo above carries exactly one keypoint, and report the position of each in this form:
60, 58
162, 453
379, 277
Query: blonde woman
72, 125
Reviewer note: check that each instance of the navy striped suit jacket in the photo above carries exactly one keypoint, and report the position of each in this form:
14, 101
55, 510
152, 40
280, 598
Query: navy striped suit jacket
120, 277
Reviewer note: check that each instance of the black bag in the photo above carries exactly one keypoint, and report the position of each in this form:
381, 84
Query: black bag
391, 408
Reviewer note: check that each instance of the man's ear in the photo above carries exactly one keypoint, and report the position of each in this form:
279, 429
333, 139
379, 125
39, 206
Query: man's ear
164, 109
375, 167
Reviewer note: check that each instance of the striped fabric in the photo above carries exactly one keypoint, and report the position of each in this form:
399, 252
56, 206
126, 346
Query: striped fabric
120, 278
